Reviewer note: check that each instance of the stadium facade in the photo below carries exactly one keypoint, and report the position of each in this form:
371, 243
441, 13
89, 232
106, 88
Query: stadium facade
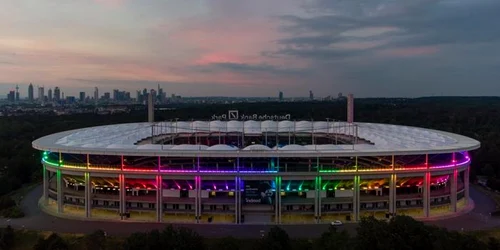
253, 171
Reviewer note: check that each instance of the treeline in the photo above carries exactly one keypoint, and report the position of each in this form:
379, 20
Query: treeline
400, 232
474, 117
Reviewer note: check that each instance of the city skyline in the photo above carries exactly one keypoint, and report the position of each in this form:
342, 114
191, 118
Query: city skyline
258, 48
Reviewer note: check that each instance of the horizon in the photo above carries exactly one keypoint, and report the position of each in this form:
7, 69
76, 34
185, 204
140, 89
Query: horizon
376, 48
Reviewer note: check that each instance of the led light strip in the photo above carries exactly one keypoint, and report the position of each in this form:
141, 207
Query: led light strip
247, 171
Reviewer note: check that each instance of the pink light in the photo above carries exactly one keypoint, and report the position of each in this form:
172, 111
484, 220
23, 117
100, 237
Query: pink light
467, 161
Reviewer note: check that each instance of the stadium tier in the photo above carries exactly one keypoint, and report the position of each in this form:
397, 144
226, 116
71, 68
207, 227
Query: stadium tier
254, 171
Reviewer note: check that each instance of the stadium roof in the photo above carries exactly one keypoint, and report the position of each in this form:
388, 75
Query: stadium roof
124, 139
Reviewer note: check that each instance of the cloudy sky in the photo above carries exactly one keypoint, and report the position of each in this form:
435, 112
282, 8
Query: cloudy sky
390, 48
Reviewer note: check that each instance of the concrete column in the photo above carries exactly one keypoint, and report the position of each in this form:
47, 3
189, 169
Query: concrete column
276, 200
45, 186
392, 194
60, 194
453, 190
197, 199
356, 201
88, 197
278, 187
318, 203
316, 195
159, 198
426, 197
123, 193
237, 201
466, 185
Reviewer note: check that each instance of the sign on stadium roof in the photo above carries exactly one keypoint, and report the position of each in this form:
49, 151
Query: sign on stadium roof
235, 115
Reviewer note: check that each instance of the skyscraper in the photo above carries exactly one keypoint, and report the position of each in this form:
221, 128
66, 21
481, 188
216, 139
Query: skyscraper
57, 94
82, 96
17, 93
311, 95
96, 95
41, 94
280, 96
31, 96
49, 95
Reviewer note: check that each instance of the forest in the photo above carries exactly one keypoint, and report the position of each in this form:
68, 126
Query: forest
476, 117
401, 232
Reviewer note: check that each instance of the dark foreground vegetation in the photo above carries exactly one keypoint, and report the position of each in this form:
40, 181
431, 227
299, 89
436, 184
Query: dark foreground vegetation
478, 118
400, 233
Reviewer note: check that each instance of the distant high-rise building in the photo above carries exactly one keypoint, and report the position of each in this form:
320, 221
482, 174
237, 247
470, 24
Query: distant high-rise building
311, 95
82, 96
107, 96
57, 94
62, 96
96, 95
49, 95
17, 93
161, 96
31, 96
41, 94
138, 96
340, 96
11, 96
280, 96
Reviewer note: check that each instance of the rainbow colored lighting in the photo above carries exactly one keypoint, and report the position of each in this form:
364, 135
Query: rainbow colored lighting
353, 170
397, 169
154, 170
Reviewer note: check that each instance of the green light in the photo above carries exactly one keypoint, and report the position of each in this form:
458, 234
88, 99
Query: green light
300, 187
326, 184
288, 186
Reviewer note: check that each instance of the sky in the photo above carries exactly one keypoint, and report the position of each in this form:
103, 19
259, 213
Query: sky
371, 48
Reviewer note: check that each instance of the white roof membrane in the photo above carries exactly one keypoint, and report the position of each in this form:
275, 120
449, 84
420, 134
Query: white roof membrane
384, 137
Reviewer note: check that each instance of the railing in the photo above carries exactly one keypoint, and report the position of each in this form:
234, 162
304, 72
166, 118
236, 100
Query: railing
255, 169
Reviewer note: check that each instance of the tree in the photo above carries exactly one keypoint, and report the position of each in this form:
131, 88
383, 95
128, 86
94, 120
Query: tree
53, 242
7, 236
136, 241
187, 239
227, 243
6, 202
332, 239
276, 239
96, 240
493, 244
488, 170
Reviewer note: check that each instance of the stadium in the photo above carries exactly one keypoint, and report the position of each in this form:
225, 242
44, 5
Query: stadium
248, 169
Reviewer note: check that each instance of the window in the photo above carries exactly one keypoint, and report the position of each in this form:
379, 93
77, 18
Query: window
151, 205
175, 206
106, 203
187, 206
139, 205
